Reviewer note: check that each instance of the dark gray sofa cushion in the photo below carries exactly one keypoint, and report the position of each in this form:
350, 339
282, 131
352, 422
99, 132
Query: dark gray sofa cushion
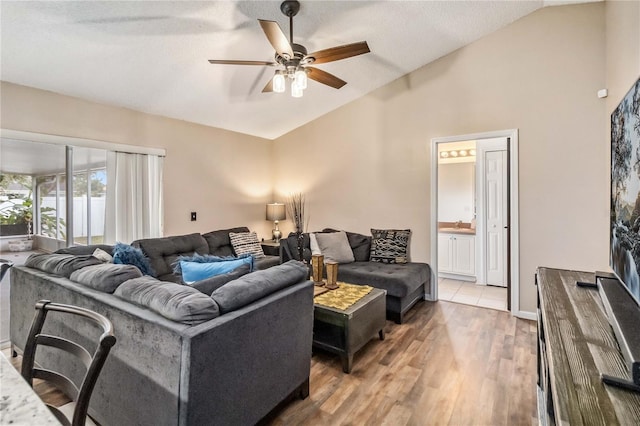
219, 242
105, 277
398, 279
84, 250
257, 285
291, 243
209, 285
163, 252
266, 262
176, 302
360, 245
60, 264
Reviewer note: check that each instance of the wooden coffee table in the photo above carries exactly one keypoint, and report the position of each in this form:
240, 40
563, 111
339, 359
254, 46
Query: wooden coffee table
344, 332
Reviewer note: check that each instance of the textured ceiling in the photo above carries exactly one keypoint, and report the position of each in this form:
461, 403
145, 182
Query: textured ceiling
152, 56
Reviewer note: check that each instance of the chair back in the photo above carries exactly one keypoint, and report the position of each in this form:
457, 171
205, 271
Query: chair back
4, 267
93, 363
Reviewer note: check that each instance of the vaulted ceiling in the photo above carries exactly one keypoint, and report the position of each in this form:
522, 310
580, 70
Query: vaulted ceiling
152, 56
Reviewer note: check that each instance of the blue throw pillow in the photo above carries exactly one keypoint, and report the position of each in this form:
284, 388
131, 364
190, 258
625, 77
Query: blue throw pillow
197, 271
125, 254
208, 258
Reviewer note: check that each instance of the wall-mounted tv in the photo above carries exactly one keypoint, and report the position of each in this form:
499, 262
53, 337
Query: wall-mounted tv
624, 256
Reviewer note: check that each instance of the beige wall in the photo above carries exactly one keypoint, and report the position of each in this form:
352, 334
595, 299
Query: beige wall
368, 163
224, 176
623, 50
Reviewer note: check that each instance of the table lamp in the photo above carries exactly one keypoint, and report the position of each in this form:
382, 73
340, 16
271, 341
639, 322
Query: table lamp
276, 212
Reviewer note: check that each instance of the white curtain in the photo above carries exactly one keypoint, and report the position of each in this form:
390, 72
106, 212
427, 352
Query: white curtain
134, 197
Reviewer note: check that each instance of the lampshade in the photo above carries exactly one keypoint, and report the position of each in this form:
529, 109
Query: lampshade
276, 211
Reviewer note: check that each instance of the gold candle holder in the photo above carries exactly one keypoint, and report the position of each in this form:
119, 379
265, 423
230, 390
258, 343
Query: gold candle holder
317, 265
332, 275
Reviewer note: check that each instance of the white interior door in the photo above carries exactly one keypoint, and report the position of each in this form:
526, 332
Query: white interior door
495, 165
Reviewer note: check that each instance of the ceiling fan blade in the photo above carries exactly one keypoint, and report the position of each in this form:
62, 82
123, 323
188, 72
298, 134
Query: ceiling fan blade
325, 78
268, 87
225, 62
340, 52
276, 37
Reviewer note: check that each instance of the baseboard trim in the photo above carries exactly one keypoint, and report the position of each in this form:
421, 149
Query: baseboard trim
526, 315
5, 344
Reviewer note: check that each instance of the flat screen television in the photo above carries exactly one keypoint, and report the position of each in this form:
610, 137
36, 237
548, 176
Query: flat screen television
621, 296
625, 191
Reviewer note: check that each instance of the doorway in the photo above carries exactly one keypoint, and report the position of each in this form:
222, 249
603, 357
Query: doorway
474, 219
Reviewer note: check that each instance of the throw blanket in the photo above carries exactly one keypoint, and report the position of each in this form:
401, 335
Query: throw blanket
343, 297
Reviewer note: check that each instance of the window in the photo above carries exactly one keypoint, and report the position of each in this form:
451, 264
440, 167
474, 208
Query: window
133, 209
16, 213
50, 206
89, 206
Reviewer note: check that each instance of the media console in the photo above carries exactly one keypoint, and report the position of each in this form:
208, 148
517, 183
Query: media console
576, 347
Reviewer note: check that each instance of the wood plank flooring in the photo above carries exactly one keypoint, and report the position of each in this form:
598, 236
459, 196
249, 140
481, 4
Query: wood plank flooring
449, 364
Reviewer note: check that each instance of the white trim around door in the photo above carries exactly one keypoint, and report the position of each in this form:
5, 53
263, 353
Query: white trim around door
514, 247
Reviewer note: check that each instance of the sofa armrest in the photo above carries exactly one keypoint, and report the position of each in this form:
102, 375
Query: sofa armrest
240, 365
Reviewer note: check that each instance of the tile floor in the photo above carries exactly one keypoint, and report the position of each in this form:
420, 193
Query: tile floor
469, 293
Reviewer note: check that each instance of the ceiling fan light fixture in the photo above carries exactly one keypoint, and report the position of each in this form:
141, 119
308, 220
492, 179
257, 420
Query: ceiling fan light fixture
293, 59
278, 82
296, 90
301, 78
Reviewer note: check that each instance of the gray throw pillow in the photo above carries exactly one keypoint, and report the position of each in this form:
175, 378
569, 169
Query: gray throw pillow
256, 285
176, 302
106, 277
335, 247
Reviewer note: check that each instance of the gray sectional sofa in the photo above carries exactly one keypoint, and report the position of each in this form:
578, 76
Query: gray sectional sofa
406, 283
227, 358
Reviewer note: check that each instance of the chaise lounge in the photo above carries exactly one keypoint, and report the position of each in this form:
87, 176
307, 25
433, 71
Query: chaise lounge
406, 283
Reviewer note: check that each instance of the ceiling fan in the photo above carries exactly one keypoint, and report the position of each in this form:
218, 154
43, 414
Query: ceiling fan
293, 60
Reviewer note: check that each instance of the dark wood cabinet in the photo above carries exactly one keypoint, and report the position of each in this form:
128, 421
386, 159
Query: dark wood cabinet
576, 345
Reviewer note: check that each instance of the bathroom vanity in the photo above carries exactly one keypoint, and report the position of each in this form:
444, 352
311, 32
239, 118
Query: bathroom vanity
457, 251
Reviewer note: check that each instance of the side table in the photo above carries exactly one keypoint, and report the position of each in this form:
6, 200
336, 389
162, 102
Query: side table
270, 247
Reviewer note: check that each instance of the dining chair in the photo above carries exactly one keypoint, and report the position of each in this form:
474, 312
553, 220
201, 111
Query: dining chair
4, 267
93, 364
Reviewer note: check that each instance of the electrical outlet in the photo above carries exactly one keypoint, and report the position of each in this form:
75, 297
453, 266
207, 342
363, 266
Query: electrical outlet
193, 216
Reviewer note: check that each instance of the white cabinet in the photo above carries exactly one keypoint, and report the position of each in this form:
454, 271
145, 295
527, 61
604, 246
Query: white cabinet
457, 254
445, 249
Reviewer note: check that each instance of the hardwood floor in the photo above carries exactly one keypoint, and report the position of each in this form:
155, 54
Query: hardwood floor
448, 364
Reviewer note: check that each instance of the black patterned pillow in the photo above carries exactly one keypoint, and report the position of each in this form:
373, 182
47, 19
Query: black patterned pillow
390, 245
246, 243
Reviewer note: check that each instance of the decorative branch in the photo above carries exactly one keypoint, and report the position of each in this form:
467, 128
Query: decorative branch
295, 208
296, 211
